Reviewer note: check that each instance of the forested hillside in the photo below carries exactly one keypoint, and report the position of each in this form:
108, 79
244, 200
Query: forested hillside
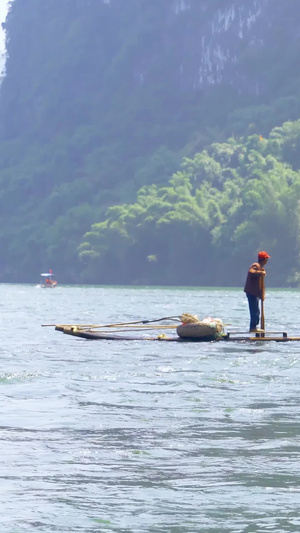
150, 141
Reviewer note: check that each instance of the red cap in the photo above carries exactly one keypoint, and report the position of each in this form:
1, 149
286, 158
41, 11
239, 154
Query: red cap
263, 255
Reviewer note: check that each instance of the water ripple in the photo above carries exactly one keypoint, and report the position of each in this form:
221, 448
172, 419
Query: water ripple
141, 437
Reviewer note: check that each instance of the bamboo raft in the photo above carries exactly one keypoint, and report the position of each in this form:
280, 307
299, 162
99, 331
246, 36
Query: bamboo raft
186, 328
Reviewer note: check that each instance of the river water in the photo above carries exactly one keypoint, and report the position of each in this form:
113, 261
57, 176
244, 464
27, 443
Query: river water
133, 436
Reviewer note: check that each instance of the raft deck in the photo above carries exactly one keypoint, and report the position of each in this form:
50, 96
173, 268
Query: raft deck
234, 336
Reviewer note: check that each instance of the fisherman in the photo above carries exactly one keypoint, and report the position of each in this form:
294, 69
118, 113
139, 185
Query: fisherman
254, 288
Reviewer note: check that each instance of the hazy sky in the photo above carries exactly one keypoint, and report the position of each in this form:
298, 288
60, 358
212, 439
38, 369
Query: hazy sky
3, 11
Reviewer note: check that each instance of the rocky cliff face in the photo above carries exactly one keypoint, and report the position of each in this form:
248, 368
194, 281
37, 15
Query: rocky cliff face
232, 42
152, 64
76, 49
222, 34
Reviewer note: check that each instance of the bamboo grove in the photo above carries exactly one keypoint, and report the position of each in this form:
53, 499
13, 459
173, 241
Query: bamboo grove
205, 226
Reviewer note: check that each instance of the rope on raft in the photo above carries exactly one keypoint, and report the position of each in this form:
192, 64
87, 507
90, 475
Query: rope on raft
142, 327
134, 328
176, 317
184, 319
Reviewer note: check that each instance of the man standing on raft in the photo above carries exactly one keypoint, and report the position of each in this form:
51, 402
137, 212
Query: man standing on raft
254, 288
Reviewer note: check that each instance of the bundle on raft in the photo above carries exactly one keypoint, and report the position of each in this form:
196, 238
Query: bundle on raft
208, 329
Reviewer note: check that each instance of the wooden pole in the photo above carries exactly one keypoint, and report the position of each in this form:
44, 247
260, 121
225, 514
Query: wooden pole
262, 312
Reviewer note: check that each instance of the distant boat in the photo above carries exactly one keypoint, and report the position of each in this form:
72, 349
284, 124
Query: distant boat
47, 281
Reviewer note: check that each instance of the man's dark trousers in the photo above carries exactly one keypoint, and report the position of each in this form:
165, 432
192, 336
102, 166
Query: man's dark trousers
254, 310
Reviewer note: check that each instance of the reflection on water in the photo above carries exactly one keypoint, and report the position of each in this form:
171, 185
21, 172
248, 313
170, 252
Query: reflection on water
133, 436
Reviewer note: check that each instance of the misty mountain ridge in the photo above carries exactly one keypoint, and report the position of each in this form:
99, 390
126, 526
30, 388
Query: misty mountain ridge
103, 97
